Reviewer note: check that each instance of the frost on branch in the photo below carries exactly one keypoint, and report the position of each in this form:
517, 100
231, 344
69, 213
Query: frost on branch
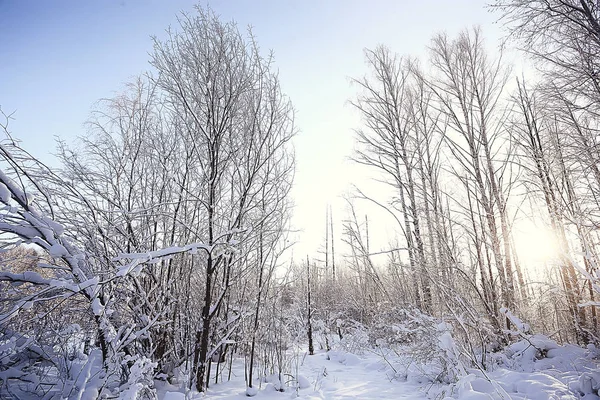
50, 282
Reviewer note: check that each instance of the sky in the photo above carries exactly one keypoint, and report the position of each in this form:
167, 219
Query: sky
59, 57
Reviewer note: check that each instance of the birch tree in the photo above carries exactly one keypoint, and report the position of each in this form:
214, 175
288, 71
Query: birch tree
388, 144
468, 86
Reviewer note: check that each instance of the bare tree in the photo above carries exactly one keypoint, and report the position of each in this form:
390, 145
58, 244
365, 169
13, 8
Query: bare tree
534, 132
388, 144
563, 39
237, 124
468, 88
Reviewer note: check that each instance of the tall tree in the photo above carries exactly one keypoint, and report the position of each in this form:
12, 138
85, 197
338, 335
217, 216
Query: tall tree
468, 86
237, 123
388, 144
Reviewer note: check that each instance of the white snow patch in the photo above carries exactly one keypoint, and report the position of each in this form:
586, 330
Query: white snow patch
251, 391
57, 250
174, 396
303, 383
4, 194
97, 307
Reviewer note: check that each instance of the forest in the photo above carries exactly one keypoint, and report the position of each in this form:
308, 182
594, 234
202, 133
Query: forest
155, 259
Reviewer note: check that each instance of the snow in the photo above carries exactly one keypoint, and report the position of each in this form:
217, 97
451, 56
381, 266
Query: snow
57, 250
333, 375
138, 260
251, 391
344, 358
514, 385
55, 226
4, 194
534, 368
97, 307
303, 382
174, 396
521, 326
27, 276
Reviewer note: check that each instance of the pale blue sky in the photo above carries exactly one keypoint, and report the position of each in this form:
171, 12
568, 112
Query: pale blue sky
57, 57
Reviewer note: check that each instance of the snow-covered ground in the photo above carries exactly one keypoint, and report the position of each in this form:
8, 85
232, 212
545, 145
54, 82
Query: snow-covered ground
535, 368
333, 375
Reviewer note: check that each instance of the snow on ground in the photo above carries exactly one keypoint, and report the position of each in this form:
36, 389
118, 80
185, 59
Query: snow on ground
347, 376
536, 368
333, 375
532, 369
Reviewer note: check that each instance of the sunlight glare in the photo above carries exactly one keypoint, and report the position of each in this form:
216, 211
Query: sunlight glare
534, 243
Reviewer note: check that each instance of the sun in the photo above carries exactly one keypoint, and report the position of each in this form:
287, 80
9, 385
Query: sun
534, 243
